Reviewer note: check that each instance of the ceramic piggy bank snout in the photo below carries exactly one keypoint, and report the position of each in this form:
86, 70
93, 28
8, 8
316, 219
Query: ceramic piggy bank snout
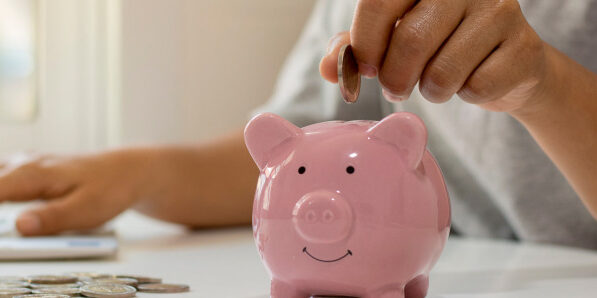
322, 217
354, 208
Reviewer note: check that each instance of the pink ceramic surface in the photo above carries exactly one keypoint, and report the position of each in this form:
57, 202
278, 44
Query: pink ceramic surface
354, 208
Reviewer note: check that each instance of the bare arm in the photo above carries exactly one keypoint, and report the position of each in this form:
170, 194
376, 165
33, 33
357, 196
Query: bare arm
564, 123
207, 185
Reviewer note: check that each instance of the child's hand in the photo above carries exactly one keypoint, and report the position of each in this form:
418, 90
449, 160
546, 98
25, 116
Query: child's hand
483, 50
81, 192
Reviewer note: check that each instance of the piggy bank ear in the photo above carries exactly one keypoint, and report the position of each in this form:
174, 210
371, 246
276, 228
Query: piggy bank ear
265, 134
405, 131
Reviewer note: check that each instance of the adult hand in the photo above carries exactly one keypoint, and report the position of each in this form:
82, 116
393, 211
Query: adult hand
482, 50
81, 192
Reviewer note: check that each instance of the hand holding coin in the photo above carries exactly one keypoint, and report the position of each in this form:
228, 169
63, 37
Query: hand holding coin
340, 66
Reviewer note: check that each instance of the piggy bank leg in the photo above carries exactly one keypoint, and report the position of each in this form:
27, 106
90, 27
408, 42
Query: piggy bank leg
417, 288
283, 290
393, 292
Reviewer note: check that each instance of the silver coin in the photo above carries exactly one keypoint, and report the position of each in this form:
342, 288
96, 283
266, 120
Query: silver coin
349, 78
141, 279
74, 292
163, 288
13, 284
89, 275
11, 292
52, 279
4, 278
42, 296
71, 285
108, 290
114, 280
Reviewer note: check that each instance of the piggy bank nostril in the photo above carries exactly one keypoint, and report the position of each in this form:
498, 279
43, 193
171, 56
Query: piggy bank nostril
310, 216
328, 216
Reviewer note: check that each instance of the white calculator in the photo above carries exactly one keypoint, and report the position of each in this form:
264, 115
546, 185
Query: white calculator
96, 244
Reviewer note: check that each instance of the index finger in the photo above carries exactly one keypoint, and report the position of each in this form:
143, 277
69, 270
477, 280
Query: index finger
328, 67
28, 182
372, 27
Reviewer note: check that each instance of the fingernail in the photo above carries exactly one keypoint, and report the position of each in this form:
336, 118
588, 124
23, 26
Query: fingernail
367, 70
392, 97
333, 42
28, 223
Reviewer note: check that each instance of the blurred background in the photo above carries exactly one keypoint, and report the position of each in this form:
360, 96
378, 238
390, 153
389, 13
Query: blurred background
81, 75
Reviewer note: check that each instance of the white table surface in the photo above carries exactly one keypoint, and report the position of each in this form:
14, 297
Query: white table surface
225, 263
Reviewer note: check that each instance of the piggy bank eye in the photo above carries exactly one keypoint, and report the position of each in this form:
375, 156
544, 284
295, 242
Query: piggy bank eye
350, 169
301, 170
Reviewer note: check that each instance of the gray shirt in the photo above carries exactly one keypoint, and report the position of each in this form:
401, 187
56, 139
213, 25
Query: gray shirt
500, 181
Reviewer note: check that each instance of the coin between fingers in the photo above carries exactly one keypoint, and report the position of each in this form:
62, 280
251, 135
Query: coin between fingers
349, 79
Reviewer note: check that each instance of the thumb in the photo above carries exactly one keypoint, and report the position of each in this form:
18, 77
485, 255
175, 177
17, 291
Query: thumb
328, 67
73, 212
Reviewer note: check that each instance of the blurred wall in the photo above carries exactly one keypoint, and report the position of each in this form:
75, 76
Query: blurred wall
193, 69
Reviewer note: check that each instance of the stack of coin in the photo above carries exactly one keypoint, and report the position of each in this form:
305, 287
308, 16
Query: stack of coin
84, 284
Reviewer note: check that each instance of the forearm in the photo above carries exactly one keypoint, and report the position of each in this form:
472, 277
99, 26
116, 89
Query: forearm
563, 121
201, 186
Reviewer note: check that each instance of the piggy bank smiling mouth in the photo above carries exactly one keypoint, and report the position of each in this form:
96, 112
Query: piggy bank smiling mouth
348, 252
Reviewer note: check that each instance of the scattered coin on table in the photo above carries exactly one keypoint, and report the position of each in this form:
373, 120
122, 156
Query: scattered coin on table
71, 285
114, 280
14, 284
4, 278
42, 296
56, 290
88, 275
84, 284
11, 292
142, 279
163, 288
108, 290
52, 279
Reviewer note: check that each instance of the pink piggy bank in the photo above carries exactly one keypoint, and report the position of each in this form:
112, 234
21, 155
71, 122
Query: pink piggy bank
354, 208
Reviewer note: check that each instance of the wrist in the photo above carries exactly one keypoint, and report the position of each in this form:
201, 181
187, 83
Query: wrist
164, 172
551, 94
139, 168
